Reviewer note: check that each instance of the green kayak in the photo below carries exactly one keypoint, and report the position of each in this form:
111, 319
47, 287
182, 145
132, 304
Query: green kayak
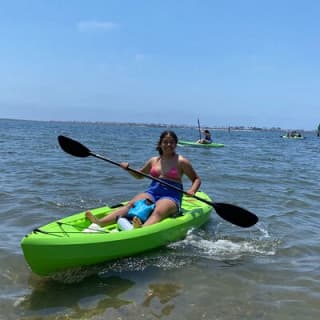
201, 145
64, 244
293, 137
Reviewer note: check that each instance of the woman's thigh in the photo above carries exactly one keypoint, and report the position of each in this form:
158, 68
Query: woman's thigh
165, 207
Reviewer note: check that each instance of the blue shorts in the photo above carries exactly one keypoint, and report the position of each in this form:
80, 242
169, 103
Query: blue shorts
160, 191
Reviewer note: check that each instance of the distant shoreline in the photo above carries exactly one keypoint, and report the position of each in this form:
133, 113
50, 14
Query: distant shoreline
161, 125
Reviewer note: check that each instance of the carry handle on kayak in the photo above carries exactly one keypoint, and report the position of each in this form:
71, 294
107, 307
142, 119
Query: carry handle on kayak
229, 212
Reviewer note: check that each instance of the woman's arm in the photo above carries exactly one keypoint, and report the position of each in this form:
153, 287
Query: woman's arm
145, 169
192, 175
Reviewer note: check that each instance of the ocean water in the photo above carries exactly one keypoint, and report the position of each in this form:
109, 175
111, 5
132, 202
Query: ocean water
221, 271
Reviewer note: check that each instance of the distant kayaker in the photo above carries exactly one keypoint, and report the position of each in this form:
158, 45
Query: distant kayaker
206, 137
168, 167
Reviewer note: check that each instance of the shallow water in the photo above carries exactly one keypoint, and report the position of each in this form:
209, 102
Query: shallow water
269, 271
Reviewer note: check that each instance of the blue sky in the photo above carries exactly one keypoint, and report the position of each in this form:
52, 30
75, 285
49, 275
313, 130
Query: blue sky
245, 62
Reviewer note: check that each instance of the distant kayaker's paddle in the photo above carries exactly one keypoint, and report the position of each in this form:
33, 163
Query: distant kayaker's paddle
199, 129
229, 212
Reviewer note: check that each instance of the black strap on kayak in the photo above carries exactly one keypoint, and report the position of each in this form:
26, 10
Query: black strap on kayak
117, 205
60, 223
45, 232
58, 233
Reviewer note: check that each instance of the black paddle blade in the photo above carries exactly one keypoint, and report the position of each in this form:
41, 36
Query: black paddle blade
73, 147
236, 215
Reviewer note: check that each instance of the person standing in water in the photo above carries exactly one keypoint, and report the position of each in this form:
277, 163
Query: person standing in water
168, 167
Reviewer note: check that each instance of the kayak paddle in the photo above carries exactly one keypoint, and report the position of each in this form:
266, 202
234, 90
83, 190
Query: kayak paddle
229, 212
199, 129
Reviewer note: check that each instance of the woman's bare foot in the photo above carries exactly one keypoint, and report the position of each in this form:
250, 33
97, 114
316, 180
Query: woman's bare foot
136, 222
92, 218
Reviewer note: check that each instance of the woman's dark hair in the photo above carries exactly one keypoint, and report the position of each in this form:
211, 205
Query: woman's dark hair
162, 136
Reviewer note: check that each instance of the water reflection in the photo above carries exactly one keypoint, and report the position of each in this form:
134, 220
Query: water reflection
89, 298
159, 298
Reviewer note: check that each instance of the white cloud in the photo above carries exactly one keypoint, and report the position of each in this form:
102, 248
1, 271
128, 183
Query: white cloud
93, 25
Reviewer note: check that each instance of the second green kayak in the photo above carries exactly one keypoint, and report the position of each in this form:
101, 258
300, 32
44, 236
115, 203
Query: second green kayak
293, 137
201, 145
63, 244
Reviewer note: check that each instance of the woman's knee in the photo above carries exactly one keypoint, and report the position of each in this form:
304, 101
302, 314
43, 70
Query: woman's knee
163, 212
157, 214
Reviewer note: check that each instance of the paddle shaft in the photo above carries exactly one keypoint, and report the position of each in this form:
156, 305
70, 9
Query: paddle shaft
199, 128
234, 214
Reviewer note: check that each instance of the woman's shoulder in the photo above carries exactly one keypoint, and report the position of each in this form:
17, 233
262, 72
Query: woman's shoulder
154, 159
149, 163
182, 159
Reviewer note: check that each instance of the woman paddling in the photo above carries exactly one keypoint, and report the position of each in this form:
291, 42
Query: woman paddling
168, 167
206, 137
